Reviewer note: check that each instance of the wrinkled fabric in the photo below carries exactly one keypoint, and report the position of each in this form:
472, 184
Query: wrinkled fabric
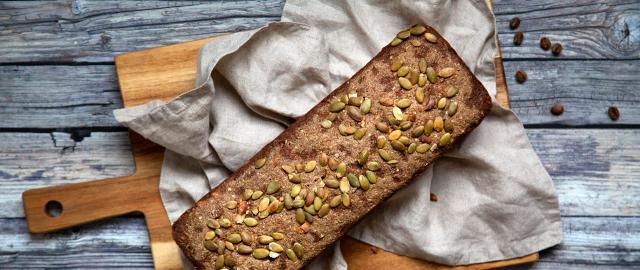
496, 201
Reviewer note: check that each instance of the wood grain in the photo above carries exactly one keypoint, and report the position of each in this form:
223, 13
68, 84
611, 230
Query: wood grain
587, 29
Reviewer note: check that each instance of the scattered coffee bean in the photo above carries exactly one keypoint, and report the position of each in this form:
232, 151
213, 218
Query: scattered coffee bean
614, 113
556, 49
545, 43
557, 109
521, 76
514, 23
517, 38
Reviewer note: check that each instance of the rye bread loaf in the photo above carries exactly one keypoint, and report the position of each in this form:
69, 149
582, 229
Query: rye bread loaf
370, 137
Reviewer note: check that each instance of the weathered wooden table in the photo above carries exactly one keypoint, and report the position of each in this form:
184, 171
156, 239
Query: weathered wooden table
58, 88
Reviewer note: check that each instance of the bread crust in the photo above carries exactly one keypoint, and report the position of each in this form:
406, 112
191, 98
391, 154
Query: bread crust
306, 140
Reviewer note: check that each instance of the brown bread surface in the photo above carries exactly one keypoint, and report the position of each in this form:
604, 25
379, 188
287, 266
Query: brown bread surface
306, 140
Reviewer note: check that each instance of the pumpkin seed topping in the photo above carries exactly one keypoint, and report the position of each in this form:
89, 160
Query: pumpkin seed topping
405, 83
336, 106
430, 37
431, 75
260, 163
260, 253
395, 42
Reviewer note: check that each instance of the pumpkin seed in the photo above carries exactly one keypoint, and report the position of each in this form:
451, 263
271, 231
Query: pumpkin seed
431, 37
332, 183
317, 203
403, 71
297, 203
380, 142
396, 64
213, 224
219, 262
299, 167
346, 200
332, 116
355, 101
263, 204
422, 65
324, 210
224, 223
344, 185
445, 139
442, 103
244, 249
404, 140
393, 121
363, 156
452, 91
404, 125
310, 209
398, 146
275, 247
308, 200
229, 245
364, 182
344, 99
422, 80
415, 43
428, 127
288, 168
246, 195
346, 130
431, 75
341, 170
353, 180
420, 95
335, 201
412, 148
417, 132
371, 176
274, 255
397, 113
292, 255
265, 239
403, 103
277, 236
395, 42
422, 148
300, 216
382, 127
403, 35
209, 245
260, 253
298, 249
446, 72
295, 190
254, 211
365, 107
326, 123
310, 166
239, 219
218, 233
384, 154
373, 166
417, 29
229, 261
354, 113
333, 164
394, 135
430, 104
448, 125
295, 178
453, 108
433, 147
273, 187
438, 124
209, 235
405, 83
246, 238
260, 163
413, 76
359, 134
251, 222
336, 106
220, 246
387, 102
234, 238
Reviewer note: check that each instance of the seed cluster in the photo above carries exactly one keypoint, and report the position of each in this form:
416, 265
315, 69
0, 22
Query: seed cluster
314, 188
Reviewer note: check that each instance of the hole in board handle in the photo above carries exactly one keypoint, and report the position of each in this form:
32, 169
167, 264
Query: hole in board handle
53, 208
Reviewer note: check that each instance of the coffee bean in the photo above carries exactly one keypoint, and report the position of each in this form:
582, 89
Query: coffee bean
556, 49
517, 38
557, 109
614, 113
514, 23
545, 43
521, 76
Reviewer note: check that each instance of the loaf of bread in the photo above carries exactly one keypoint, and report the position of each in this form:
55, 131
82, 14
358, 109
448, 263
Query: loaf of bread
370, 137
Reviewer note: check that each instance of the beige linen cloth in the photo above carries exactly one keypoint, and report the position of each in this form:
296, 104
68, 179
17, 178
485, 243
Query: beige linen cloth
496, 201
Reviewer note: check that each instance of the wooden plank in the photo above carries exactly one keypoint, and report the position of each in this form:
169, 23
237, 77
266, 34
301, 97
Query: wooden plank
604, 184
61, 96
586, 89
587, 29
96, 31
592, 242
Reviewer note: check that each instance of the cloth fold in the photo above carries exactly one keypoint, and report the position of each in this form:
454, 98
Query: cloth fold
496, 199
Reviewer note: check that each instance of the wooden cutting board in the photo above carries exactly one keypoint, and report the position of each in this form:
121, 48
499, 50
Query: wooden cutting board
163, 73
